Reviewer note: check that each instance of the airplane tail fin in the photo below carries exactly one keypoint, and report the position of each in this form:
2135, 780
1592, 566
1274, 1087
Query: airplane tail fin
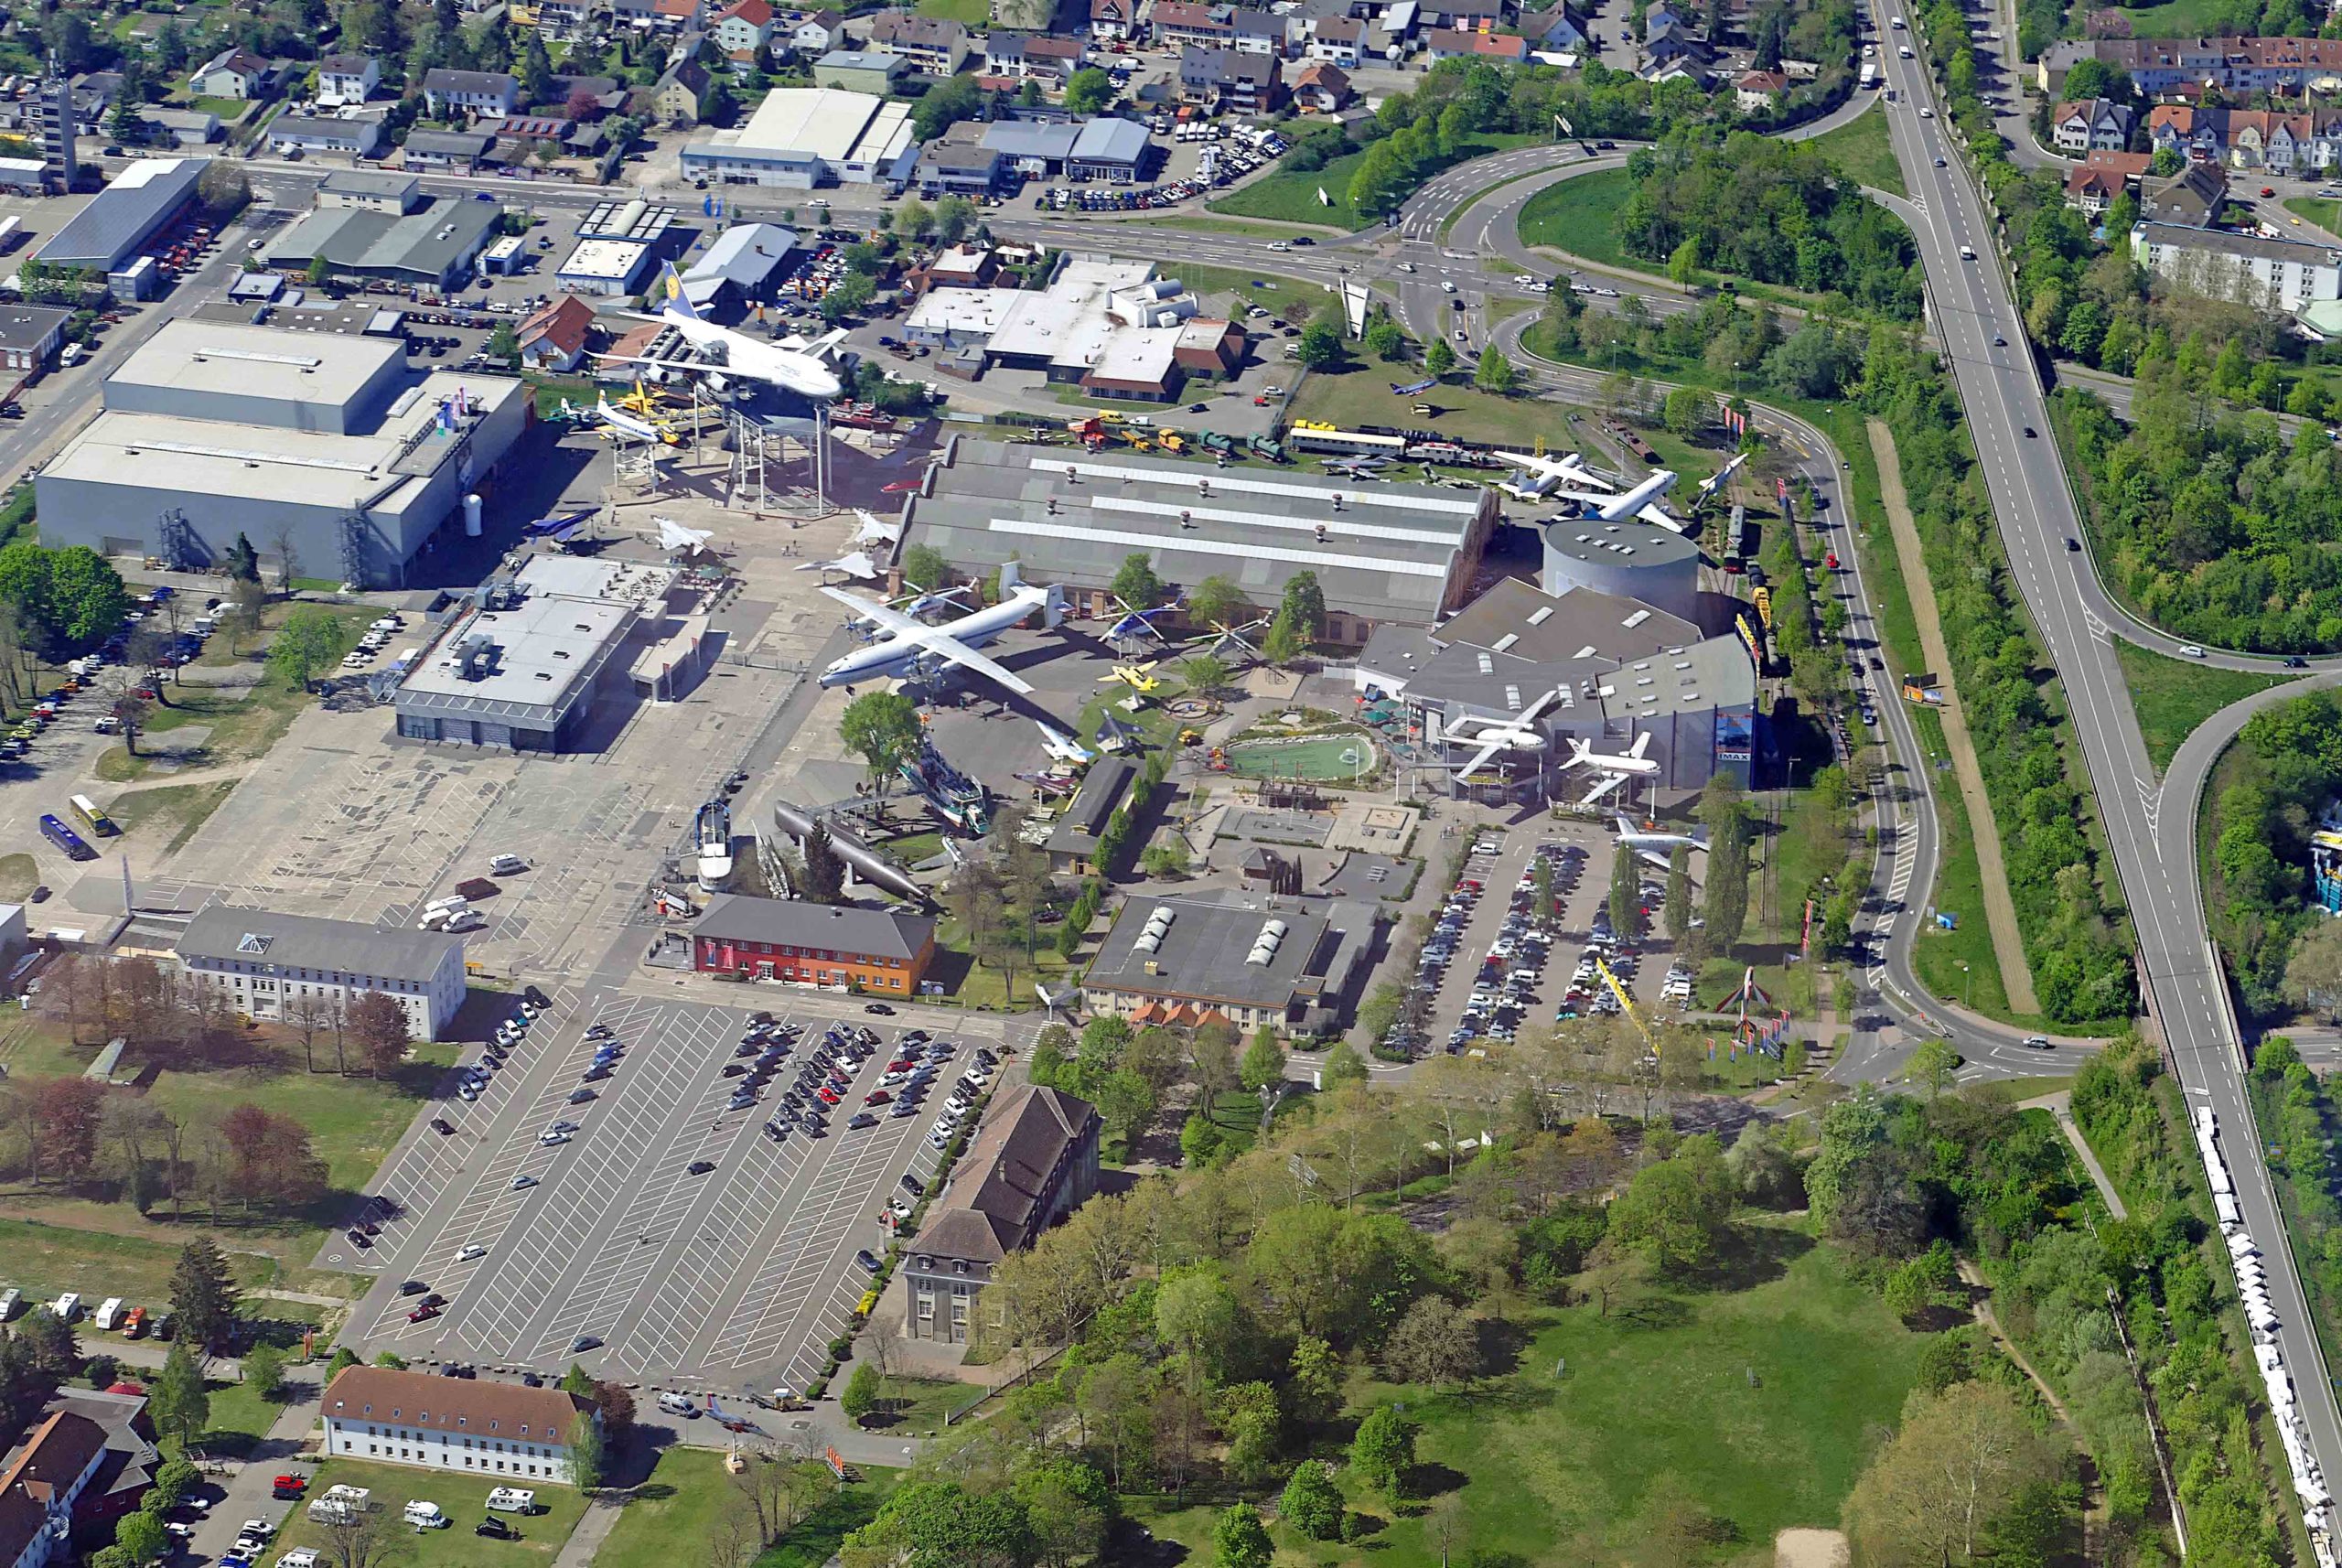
678, 303
1053, 606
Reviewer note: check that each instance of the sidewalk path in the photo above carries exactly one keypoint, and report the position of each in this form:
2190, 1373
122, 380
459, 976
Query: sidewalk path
2000, 911
2061, 1105
593, 1527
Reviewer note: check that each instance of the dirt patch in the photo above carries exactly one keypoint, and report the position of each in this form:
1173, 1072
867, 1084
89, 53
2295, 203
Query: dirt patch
2000, 912
1810, 1549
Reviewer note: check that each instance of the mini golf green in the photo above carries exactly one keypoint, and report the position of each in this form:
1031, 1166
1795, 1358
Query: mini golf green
1322, 757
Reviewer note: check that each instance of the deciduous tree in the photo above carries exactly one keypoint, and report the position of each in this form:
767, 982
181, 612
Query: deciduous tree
379, 1026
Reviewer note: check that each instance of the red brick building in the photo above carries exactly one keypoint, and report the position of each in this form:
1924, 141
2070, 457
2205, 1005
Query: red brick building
880, 950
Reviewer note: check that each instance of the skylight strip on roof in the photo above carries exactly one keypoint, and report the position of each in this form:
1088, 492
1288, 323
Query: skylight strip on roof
1338, 523
1248, 551
1223, 479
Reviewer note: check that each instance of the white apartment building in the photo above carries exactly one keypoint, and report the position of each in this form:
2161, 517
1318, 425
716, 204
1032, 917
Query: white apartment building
2278, 276
269, 964
499, 1430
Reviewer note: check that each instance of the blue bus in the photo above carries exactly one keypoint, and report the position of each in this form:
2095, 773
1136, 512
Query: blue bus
65, 838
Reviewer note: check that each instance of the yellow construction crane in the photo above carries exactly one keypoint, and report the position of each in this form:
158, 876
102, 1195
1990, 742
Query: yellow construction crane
1626, 1003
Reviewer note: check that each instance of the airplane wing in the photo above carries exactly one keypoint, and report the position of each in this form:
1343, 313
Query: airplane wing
858, 565
1603, 786
1659, 517
1480, 760
935, 640
1533, 709
673, 535
1642, 743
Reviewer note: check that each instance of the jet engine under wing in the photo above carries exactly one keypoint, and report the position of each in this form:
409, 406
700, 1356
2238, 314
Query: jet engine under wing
935, 640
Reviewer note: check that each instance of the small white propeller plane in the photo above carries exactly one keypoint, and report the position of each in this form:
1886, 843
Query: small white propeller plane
1063, 748
1656, 844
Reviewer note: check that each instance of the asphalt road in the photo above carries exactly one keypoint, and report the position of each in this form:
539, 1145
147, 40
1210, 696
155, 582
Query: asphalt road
2150, 823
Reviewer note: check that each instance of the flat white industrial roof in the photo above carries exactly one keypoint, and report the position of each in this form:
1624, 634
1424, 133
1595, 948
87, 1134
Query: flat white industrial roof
612, 259
265, 463
210, 357
829, 123
543, 647
963, 309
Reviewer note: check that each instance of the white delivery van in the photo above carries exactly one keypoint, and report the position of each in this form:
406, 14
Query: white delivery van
426, 1515
512, 1499
66, 1307
678, 1404
109, 1314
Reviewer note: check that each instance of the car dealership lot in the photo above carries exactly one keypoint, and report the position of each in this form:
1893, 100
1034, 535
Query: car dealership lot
735, 1277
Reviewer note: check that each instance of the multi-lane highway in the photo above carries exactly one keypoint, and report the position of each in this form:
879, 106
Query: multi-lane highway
2150, 823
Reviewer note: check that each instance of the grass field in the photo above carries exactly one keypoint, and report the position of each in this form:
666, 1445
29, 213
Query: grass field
1861, 148
1363, 396
1760, 1399
61, 1243
1238, 1117
1291, 197
915, 1407
2176, 19
240, 1419
2323, 212
669, 1517
167, 817
1576, 216
2172, 696
463, 1498
45, 1261
970, 13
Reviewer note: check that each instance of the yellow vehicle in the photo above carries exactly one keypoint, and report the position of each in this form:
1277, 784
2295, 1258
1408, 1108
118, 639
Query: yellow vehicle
1172, 441
1107, 416
1192, 737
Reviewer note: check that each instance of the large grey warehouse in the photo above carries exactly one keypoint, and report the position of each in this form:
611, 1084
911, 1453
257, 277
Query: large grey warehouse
1383, 554
212, 430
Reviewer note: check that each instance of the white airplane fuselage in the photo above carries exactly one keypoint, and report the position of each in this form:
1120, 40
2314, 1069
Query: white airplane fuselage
626, 423
1486, 732
745, 358
1583, 755
1620, 508
891, 657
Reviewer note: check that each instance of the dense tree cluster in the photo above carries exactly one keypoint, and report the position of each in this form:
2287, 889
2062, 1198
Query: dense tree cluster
2080, 958
1774, 211
2214, 524
2286, 765
65, 599
1901, 1177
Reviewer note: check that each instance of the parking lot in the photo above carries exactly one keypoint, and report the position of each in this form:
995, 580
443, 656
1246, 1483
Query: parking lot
1471, 929
608, 1247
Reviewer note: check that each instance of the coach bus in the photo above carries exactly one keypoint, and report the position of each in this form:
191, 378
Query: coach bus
97, 821
65, 838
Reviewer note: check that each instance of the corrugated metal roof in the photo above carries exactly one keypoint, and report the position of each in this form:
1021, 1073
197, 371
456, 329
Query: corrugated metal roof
125, 214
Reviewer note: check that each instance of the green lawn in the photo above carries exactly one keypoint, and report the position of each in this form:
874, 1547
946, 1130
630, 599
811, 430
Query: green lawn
463, 1498
670, 1516
1291, 197
1860, 147
2177, 19
1959, 963
1577, 216
240, 1419
2325, 213
1238, 1117
2172, 696
45, 1261
970, 13
1363, 396
915, 1407
109, 1249
1761, 1401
